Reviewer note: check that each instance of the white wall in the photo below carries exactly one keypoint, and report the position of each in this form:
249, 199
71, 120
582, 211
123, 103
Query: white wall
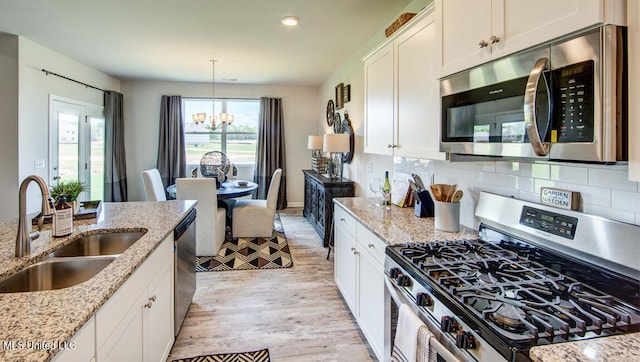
142, 112
9, 123
32, 97
605, 190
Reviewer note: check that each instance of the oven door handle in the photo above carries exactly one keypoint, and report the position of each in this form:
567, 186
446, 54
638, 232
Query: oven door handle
434, 344
530, 103
393, 293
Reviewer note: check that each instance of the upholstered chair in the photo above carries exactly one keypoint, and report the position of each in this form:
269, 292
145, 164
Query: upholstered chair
210, 222
254, 218
153, 187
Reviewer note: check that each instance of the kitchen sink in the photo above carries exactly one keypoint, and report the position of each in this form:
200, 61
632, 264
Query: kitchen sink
55, 273
112, 243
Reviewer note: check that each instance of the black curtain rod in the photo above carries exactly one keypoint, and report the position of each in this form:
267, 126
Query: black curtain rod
47, 72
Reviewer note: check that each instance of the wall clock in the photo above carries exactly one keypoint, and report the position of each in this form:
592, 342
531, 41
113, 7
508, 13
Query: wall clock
330, 113
346, 128
337, 123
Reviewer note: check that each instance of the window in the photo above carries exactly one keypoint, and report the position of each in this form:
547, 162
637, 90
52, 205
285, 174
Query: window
237, 140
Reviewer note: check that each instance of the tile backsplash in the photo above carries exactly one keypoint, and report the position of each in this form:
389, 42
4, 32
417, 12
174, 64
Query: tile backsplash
604, 190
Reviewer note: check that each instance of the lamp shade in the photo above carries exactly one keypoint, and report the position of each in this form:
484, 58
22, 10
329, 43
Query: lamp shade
315, 143
336, 142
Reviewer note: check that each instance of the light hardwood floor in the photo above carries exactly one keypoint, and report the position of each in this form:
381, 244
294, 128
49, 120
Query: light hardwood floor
296, 312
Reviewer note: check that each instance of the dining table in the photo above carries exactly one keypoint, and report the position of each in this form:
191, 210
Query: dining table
228, 190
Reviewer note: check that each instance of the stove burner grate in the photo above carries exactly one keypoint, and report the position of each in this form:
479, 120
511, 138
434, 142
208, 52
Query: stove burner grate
520, 299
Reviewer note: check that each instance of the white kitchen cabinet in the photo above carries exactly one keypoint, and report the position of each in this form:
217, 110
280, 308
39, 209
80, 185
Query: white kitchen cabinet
633, 13
158, 318
472, 32
402, 92
136, 323
379, 102
81, 347
344, 261
371, 289
359, 274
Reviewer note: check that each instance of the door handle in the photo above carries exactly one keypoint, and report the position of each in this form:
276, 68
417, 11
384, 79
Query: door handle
530, 112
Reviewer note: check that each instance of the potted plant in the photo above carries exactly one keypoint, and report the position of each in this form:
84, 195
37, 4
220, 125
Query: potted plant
71, 190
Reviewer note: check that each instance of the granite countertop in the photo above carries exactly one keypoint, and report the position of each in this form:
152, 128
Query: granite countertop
52, 317
616, 348
399, 225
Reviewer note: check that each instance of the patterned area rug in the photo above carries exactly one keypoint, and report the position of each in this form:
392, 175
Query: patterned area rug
250, 253
256, 356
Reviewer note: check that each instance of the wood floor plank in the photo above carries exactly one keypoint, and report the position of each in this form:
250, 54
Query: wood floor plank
296, 312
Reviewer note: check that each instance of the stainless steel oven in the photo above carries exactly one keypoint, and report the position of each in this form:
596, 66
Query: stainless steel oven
561, 101
534, 276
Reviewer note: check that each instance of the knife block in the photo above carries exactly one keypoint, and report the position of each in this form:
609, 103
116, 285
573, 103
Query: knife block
423, 206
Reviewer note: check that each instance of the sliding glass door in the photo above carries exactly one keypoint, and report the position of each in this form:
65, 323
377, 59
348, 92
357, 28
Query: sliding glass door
77, 145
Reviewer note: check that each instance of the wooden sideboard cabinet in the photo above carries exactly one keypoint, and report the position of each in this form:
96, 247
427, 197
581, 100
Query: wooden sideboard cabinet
319, 192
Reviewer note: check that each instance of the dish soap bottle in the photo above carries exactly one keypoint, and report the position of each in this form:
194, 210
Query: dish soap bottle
62, 218
386, 189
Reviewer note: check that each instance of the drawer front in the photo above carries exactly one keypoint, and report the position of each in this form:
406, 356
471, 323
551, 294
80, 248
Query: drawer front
342, 217
367, 240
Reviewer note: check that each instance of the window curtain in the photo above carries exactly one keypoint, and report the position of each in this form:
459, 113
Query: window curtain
115, 168
270, 152
172, 158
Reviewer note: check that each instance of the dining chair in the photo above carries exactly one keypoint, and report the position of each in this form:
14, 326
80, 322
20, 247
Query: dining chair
254, 218
210, 222
153, 187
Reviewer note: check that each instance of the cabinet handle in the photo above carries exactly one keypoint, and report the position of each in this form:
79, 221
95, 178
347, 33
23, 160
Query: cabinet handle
371, 245
389, 145
483, 44
150, 302
343, 220
494, 39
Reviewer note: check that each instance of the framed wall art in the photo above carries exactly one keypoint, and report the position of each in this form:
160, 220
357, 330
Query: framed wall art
347, 93
340, 96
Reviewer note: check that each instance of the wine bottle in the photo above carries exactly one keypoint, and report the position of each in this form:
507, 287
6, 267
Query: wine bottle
386, 189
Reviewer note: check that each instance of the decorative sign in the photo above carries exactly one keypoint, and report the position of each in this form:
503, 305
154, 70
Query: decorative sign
563, 199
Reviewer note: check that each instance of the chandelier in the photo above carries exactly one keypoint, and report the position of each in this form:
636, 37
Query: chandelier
223, 117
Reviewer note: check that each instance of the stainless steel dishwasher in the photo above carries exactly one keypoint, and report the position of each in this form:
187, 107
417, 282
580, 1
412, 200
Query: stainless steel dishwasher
184, 236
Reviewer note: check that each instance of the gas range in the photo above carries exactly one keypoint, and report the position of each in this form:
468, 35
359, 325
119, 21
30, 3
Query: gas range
532, 277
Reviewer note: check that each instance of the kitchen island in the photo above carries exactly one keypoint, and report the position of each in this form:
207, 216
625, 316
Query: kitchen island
35, 326
399, 226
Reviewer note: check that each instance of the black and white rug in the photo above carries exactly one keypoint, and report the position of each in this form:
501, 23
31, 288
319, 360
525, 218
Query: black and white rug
250, 253
256, 356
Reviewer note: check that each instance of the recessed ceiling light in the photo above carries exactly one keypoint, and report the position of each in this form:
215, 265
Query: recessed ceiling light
289, 20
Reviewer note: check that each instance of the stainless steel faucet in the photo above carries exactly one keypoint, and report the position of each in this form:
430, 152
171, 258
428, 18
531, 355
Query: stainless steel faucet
24, 237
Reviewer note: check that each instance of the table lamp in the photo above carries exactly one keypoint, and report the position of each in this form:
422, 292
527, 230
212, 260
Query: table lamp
336, 143
315, 144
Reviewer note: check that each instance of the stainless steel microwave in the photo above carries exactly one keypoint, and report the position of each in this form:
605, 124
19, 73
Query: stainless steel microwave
564, 101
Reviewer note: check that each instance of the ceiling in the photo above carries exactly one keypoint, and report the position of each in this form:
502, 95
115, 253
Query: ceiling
175, 39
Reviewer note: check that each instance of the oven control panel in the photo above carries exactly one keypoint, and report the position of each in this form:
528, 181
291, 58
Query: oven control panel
550, 222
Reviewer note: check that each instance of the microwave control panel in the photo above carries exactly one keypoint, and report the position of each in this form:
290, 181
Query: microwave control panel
550, 222
575, 102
